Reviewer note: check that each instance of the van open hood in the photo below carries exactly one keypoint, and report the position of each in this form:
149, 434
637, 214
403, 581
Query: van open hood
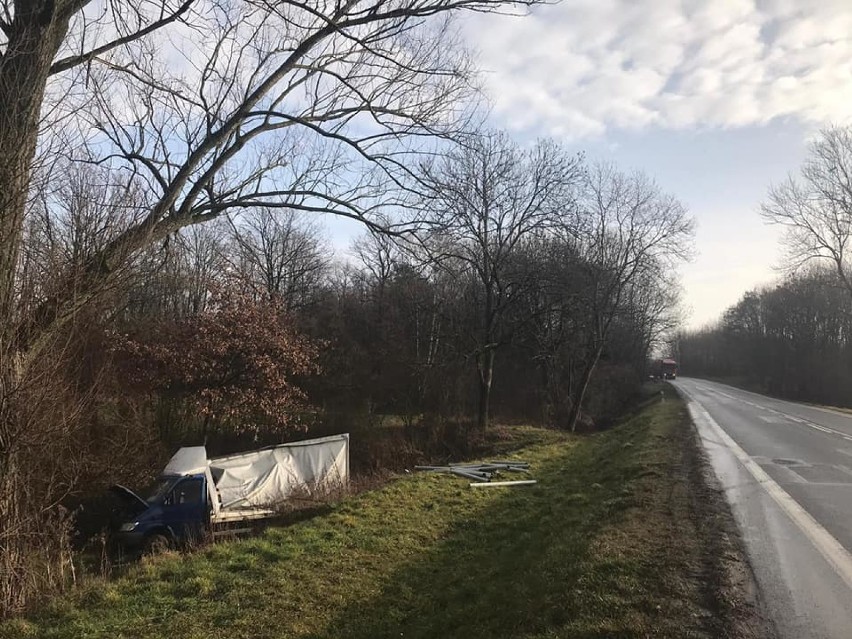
130, 499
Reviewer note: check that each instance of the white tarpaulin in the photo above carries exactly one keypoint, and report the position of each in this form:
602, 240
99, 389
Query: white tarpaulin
190, 460
266, 477
269, 476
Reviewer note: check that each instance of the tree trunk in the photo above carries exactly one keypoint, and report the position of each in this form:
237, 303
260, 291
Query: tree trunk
34, 38
486, 371
36, 34
585, 377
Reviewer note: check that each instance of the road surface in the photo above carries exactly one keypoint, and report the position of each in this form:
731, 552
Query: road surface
787, 471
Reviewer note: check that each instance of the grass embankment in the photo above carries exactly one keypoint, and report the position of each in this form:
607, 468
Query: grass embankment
612, 542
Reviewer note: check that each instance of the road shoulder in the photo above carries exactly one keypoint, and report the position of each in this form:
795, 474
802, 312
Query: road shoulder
731, 577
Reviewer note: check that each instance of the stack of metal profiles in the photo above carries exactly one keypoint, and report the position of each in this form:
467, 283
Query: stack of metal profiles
484, 473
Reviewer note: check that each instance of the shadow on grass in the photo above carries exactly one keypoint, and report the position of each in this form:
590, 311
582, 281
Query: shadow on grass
524, 566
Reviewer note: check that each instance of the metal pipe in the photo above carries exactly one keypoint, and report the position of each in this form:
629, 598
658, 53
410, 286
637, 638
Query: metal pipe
469, 475
523, 482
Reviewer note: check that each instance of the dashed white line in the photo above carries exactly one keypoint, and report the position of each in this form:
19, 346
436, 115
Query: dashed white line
801, 420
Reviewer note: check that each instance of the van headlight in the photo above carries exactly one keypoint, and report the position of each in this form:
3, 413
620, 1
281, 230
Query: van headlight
128, 527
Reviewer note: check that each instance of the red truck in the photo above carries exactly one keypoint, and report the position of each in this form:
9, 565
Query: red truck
668, 369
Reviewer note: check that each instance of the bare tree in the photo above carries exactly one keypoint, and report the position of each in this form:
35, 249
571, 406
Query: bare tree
631, 234
792, 339
176, 277
217, 107
377, 254
485, 200
815, 208
280, 255
38, 40
69, 218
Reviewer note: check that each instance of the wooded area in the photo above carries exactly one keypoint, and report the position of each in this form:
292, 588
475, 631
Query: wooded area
791, 340
164, 280
794, 339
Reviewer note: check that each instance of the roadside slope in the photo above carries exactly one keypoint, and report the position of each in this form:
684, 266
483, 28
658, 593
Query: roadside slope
622, 537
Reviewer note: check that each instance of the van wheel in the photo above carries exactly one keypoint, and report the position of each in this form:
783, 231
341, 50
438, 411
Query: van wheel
156, 544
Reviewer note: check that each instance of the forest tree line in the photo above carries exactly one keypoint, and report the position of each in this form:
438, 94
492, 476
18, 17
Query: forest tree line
794, 339
535, 288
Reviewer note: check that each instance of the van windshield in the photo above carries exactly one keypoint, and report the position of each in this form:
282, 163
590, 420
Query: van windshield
155, 492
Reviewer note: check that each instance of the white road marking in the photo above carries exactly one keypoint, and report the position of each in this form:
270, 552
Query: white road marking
830, 411
801, 420
832, 550
786, 416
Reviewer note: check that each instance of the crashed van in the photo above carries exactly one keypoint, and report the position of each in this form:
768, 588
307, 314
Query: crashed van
196, 496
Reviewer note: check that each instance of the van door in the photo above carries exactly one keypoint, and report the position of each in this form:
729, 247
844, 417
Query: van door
185, 509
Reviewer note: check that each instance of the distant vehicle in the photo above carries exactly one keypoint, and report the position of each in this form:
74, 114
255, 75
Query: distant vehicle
668, 369
195, 496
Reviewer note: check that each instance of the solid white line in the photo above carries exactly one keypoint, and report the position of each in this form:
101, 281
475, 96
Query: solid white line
831, 549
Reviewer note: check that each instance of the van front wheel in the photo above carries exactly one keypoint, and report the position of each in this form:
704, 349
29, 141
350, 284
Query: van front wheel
156, 544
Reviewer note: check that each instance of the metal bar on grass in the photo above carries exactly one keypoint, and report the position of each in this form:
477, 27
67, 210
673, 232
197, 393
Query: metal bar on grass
469, 475
482, 472
522, 482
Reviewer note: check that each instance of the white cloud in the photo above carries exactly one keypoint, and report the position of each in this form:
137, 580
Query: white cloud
582, 67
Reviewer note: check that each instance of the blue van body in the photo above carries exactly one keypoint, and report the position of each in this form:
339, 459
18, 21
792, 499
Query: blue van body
177, 508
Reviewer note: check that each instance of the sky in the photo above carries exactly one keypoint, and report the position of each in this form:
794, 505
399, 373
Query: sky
716, 100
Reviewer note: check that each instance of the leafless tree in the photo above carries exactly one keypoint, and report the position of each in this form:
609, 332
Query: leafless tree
217, 107
484, 201
175, 278
631, 235
280, 255
815, 208
792, 339
377, 255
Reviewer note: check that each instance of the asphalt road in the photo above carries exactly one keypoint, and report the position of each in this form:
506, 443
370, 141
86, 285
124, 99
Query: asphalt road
787, 471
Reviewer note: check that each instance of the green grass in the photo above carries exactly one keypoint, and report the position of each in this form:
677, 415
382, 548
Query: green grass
607, 544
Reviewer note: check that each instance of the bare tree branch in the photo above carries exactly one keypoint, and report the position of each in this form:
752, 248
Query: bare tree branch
69, 62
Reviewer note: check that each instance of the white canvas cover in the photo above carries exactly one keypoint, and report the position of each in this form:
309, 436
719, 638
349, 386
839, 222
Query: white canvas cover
190, 460
266, 477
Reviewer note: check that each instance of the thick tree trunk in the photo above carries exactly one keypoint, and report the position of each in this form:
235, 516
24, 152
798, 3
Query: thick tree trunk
35, 36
